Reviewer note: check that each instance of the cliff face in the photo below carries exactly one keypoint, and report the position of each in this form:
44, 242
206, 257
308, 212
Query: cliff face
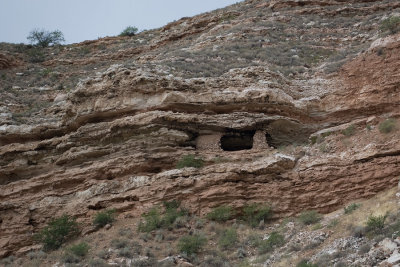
283, 100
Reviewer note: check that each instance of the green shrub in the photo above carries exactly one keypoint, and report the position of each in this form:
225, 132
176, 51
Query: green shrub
190, 161
103, 218
376, 223
57, 232
349, 131
80, 249
220, 214
310, 217
191, 244
253, 214
391, 25
313, 139
350, 208
129, 31
274, 240
172, 213
317, 226
228, 238
152, 221
387, 125
305, 263
44, 38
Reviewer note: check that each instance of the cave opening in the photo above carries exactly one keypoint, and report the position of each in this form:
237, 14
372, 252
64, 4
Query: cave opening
237, 140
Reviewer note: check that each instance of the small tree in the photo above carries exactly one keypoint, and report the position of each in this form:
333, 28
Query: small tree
57, 232
44, 38
129, 31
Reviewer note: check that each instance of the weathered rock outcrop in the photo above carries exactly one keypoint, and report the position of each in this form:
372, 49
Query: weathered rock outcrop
114, 140
7, 62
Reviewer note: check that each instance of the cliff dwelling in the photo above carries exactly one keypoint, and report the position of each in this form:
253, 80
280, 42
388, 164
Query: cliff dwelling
233, 140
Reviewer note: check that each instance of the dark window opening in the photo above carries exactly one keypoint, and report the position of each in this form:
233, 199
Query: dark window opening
270, 142
238, 140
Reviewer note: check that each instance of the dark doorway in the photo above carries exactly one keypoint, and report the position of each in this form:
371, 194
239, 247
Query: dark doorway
237, 140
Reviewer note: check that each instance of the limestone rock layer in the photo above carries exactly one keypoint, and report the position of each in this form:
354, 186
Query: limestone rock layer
283, 100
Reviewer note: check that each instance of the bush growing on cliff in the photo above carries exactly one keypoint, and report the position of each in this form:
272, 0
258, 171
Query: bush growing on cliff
220, 214
350, 208
349, 131
387, 125
190, 161
57, 232
376, 223
75, 253
254, 213
191, 244
310, 217
391, 25
228, 238
274, 240
103, 218
153, 219
172, 213
80, 249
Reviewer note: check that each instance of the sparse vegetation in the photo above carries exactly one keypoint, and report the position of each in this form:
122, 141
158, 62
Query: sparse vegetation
57, 232
253, 214
190, 161
129, 31
120, 243
228, 238
172, 213
80, 249
191, 244
125, 252
387, 125
375, 224
310, 217
274, 240
313, 140
103, 218
391, 25
153, 219
98, 263
221, 214
349, 131
333, 223
45, 38
36, 55
350, 208
306, 263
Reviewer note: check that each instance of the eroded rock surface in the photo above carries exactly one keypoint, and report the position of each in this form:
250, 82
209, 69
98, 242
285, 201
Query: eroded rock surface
113, 140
